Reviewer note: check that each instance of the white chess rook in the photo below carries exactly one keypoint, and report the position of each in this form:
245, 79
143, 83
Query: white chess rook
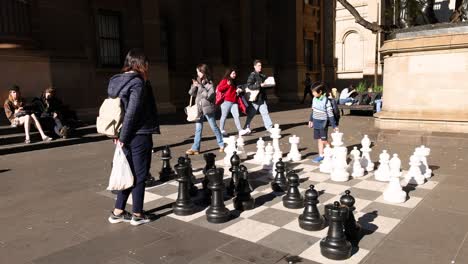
275, 135
357, 169
294, 154
340, 167
260, 154
326, 165
394, 193
414, 175
383, 172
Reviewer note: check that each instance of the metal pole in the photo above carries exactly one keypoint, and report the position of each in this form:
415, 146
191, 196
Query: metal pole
376, 63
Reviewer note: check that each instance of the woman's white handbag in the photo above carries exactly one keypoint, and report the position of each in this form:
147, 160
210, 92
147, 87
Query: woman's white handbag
192, 111
121, 177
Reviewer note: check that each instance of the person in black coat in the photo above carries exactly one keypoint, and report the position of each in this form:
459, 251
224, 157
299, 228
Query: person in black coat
140, 122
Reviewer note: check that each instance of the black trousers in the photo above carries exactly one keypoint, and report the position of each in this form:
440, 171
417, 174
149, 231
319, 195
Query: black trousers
138, 154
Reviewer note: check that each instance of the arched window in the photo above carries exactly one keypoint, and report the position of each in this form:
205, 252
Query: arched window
15, 21
353, 53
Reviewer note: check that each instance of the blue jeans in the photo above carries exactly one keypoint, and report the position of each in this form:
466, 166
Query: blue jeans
378, 105
227, 107
347, 100
138, 154
262, 107
199, 129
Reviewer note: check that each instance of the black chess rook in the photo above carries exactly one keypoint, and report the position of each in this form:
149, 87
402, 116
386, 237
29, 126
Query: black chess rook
183, 205
311, 219
279, 183
193, 190
352, 228
235, 162
293, 198
217, 212
334, 245
166, 172
210, 159
243, 200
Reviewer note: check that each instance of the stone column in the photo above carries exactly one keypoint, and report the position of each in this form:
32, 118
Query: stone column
158, 73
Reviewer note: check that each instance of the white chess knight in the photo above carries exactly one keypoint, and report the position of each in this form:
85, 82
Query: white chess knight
356, 169
240, 148
275, 135
340, 167
260, 154
327, 165
383, 172
414, 175
423, 152
394, 193
229, 150
268, 159
294, 154
366, 161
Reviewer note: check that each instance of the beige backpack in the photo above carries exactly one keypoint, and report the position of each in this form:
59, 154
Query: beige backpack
110, 117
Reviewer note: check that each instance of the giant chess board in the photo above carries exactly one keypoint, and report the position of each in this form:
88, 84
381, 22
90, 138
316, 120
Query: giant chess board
272, 225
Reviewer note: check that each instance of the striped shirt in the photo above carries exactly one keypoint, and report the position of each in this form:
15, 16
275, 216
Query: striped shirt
322, 110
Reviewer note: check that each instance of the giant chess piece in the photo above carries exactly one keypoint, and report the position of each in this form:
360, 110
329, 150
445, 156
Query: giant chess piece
414, 175
327, 165
192, 188
260, 154
183, 205
293, 198
240, 150
166, 172
235, 172
356, 169
268, 159
210, 160
394, 193
352, 229
311, 219
279, 184
366, 161
334, 245
294, 154
340, 167
423, 153
229, 150
383, 171
217, 212
275, 136
150, 181
243, 200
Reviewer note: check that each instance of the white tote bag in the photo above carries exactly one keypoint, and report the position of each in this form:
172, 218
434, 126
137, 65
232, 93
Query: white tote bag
192, 111
121, 177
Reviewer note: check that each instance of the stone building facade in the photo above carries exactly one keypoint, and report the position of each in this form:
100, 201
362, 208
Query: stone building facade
76, 46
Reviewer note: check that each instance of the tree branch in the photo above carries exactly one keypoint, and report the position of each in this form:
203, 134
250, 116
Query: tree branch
374, 27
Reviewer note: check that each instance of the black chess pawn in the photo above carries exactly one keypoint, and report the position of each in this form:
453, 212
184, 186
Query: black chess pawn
193, 190
311, 219
235, 162
217, 212
243, 200
210, 159
293, 198
166, 172
183, 205
352, 229
279, 184
334, 245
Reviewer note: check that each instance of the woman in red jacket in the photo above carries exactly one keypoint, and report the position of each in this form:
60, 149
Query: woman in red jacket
227, 87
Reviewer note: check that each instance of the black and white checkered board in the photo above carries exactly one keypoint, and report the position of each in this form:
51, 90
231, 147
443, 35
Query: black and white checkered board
272, 225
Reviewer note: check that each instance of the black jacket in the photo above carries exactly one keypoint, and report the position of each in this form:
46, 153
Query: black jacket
254, 83
141, 116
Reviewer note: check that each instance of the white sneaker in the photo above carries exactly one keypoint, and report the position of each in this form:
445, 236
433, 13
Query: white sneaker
244, 132
223, 132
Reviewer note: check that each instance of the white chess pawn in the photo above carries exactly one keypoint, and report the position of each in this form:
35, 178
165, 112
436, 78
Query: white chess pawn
267, 160
326, 165
339, 168
366, 161
414, 175
294, 154
383, 172
394, 193
229, 150
240, 148
357, 170
260, 154
424, 152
